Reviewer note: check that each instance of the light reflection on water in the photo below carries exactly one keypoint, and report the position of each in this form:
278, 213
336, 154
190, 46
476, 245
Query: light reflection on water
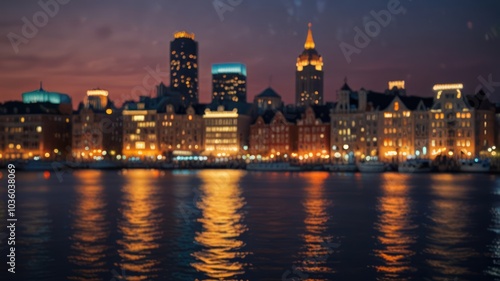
316, 252
222, 256
395, 226
139, 226
36, 226
447, 250
90, 228
248, 226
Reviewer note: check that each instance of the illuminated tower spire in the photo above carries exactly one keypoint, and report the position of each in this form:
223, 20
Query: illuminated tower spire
309, 41
309, 75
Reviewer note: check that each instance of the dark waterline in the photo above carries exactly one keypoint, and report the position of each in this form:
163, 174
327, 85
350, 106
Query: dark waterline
237, 225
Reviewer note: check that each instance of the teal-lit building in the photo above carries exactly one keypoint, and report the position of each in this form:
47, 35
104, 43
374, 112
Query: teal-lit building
41, 95
229, 82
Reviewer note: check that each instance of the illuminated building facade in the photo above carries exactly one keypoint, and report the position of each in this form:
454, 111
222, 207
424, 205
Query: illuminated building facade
181, 130
229, 82
452, 123
97, 128
484, 123
43, 96
96, 99
267, 100
314, 134
140, 132
309, 75
226, 131
184, 67
346, 118
390, 125
35, 131
273, 135
404, 123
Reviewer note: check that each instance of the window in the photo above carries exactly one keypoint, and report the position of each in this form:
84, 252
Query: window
138, 118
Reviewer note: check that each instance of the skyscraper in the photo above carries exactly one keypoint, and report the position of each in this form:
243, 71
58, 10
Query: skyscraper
184, 67
229, 82
309, 75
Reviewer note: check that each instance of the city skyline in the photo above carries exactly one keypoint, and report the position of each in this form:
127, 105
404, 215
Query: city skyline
409, 48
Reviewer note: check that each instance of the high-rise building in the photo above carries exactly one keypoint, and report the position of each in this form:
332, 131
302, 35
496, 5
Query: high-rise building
309, 75
229, 82
184, 67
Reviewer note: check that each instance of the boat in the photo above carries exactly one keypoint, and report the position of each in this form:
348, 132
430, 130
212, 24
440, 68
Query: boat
475, 166
343, 168
374, 166
273, 167
415, 166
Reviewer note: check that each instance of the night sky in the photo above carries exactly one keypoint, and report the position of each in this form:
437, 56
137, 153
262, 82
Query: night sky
108, 44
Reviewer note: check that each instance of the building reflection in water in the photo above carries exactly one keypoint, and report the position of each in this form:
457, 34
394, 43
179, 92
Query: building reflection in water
447, 233
139, 226
319, 244
90, 228
494, 247
36, 231
221, 256
395, 228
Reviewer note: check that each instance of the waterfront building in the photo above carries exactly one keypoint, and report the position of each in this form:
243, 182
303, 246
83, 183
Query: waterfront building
97, 128
181, 130
273, 135
184, 67
484, 127
313, 129
140, 141
35, 131
452, 123
309, 75
227, 128
229, 82
268, 100
404, 128
391, 125
346, 119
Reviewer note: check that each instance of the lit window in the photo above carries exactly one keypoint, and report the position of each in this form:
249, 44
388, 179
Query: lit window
39, 129
138, 118
140, 145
